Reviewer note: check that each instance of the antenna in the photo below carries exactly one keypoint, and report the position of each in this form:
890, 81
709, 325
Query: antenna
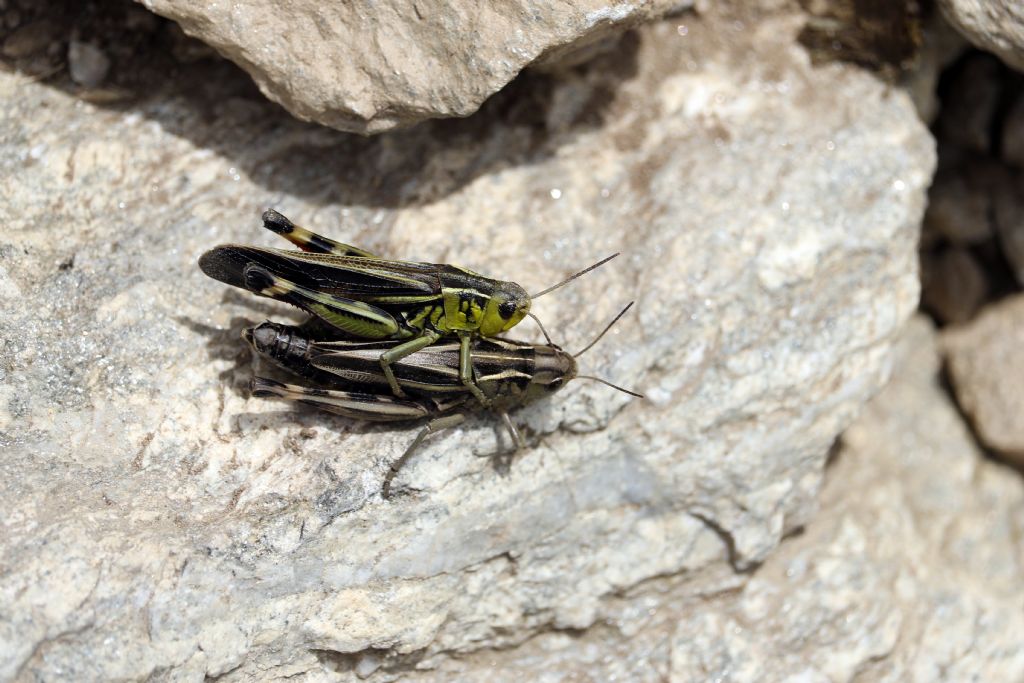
609, 384
605, 330
537, 320
597, 339
573, 277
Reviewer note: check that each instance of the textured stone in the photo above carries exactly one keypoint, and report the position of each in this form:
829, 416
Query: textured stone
960, 207
987, 371
156, 521
953, 285
910, 572
996, 26
370, 67
941, 46
29, 39
87, 64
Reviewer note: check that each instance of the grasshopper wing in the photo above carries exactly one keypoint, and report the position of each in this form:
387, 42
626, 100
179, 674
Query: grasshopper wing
350, 276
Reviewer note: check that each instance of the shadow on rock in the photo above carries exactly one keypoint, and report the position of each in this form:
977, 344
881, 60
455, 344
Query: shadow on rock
181, 85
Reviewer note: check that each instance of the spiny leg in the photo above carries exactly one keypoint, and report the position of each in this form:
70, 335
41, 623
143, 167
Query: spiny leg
446, 422
401, 351
466, 370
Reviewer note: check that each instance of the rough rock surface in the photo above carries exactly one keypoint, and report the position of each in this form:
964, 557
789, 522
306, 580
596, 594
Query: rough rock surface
961, 206
369, 67
156, 521
993, 25
986, 367
908, 572
953, 285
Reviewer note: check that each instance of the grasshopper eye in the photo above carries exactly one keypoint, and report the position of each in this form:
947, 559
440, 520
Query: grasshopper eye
507, 309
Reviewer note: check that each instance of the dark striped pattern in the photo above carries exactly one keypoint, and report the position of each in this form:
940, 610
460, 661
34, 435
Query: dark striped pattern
508, 372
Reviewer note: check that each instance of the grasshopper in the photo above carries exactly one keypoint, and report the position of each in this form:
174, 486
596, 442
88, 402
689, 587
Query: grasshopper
368, 297
511, 373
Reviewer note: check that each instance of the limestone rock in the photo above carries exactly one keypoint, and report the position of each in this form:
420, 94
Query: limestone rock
910, 571
87, 63
960, 209
987, 370
941, 45
993, 25
371, 67
953, 284
155, 521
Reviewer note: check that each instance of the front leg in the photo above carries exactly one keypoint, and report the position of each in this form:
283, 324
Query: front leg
401, 351
466, 369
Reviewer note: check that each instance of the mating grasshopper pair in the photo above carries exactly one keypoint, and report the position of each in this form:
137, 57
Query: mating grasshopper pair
406, 372
510, 373
361, 295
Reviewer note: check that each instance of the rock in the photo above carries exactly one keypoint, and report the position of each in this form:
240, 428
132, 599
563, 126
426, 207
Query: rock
87, 63
910, 571
368, 68
159, 522
960, 207
995, 26
953, 284
1009, 222
29, 39
941, 45
987, 371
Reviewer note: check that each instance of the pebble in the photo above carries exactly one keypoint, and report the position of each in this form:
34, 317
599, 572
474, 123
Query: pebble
986, 368
87, 63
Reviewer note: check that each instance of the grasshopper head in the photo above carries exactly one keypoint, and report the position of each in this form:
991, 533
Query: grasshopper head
553, 369
505, 308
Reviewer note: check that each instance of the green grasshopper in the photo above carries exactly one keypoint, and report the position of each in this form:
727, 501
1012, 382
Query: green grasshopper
510, 373
368, 297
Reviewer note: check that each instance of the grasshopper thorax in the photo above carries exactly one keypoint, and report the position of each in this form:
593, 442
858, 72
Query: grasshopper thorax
504, 309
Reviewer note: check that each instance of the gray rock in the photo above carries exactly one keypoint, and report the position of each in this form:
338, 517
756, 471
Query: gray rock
941, 46
30, 38
953, 285
371, 67
993, 25
961, 201
87, 63
987, 371
910, 571
156, 521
